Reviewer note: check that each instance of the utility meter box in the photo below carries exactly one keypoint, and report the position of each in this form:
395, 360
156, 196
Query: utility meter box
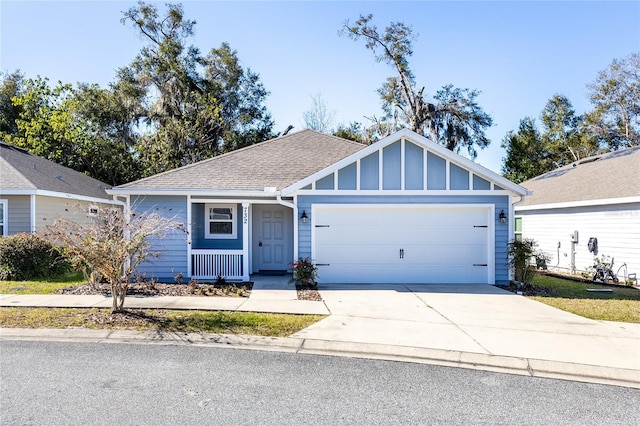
574, 237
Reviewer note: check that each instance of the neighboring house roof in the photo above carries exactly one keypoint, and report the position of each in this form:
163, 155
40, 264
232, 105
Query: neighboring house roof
278, 163
593, 180
25, 173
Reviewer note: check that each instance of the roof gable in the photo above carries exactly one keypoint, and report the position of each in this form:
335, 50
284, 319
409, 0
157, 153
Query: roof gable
278, 163
405, 161
22, 171
615, 175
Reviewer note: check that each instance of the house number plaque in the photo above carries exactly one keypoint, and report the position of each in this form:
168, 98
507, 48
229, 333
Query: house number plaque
245, 214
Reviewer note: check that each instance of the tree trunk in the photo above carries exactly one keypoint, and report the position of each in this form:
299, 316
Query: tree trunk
118, 293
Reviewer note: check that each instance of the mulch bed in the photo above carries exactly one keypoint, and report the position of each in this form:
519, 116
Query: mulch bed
149, 289
527, 289
306, 292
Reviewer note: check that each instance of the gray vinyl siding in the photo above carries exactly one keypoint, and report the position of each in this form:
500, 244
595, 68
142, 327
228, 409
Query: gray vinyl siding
173, 247
18, 213
500, 202
48, 209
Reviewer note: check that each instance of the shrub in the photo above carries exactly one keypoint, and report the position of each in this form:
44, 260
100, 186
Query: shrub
304, 271
27, 256
521, 254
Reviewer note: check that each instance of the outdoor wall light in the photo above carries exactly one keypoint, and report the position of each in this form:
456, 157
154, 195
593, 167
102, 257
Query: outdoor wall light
503, 216
304, 217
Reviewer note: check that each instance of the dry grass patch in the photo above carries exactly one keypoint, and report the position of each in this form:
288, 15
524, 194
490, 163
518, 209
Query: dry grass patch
597, 309
618, 304
257, 324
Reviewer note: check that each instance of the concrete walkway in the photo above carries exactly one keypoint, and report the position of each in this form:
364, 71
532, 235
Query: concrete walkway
269, 294
467, 326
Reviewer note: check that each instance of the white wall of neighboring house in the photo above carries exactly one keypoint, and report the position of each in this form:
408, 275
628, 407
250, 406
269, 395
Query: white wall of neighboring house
617, 228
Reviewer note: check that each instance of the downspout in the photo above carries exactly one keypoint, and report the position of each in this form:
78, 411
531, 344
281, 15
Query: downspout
295, 220
32, 218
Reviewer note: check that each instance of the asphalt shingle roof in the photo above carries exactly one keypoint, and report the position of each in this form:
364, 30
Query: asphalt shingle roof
24, 171
606, 176
278, 163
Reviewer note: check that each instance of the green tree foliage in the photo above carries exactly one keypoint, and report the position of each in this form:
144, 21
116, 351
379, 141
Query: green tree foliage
615, 95
526, 153
87, 129
564, 133
109, 122
10, 87
170, 107
195, 106
453, 119
563, 139
353, 131
46, 124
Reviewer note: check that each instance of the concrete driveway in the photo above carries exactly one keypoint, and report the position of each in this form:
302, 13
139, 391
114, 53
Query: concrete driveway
472, 318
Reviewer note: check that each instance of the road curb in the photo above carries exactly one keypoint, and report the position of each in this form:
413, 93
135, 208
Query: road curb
485, 362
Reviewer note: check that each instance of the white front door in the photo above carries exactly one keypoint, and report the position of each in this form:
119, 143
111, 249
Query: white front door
272, 237
403, 243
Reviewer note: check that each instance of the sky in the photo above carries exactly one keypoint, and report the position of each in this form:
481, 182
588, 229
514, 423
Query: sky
517, 54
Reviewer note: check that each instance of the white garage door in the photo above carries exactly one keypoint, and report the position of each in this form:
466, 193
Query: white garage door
402, 243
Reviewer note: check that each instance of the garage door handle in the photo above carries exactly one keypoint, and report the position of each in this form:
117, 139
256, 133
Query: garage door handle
401, 253
322, 264
480, 264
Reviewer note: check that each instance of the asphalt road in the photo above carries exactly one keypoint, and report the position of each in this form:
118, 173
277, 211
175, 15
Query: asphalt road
53, 383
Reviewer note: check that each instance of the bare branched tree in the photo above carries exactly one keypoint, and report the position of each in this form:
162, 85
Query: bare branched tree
112, 243
453, 119
319, 117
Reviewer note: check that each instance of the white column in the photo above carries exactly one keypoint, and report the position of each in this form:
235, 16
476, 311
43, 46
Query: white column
245, 241
189, 239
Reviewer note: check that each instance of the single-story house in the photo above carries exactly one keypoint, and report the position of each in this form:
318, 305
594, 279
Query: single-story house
587, 209
402, 210
34, 192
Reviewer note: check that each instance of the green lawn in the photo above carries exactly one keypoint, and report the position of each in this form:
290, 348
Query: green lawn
45, 286
257, 324
621, 304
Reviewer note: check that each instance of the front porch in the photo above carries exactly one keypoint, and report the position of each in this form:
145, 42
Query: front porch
233, 238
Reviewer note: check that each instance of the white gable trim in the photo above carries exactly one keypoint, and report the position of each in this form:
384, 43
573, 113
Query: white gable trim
581, 203
421, 141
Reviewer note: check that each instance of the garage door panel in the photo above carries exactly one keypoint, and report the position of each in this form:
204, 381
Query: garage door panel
400, 243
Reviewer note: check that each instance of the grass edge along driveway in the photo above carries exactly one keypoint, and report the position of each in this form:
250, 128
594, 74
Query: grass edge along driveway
622, 304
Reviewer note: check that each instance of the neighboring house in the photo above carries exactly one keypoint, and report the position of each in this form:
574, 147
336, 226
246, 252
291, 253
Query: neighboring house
594, 198
403, 210
34, 192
